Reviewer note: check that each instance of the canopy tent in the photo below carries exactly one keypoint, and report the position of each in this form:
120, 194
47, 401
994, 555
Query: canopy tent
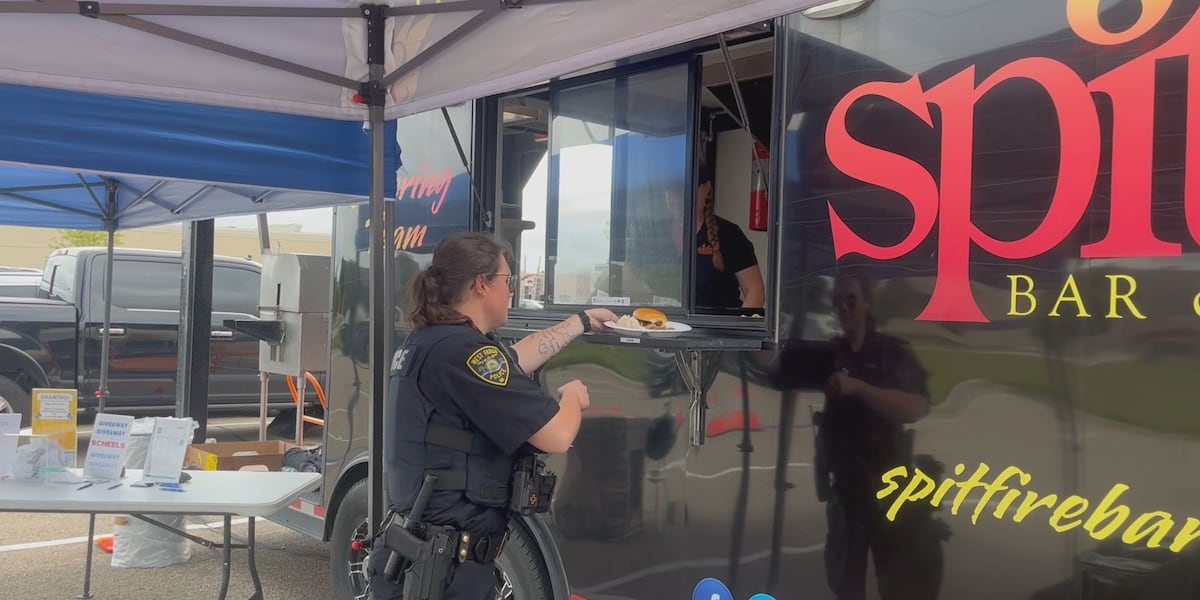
308, 57
324, 59
64, 200
135, 137
86, 201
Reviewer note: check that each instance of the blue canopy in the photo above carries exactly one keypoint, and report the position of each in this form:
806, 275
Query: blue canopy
67, 200
207, 161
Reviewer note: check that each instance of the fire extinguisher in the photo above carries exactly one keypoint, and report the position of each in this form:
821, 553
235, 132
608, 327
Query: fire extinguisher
758, 188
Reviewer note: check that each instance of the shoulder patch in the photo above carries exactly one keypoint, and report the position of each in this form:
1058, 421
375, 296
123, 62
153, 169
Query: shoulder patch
489, 364
401, 364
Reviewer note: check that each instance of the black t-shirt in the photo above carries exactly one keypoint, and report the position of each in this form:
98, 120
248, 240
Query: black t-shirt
719, 289
473, 381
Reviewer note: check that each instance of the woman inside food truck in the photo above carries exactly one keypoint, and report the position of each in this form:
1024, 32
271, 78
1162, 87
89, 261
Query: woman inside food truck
727, 271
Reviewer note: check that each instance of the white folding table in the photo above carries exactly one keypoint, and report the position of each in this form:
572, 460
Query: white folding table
209, 493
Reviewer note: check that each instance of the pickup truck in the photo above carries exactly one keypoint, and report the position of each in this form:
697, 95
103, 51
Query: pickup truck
54, 339
19, 283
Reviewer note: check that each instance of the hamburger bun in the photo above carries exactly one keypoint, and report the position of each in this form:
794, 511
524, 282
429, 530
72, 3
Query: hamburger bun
650, 318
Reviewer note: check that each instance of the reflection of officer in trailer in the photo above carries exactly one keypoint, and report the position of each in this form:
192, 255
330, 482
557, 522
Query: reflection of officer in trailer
465, 426
877, 386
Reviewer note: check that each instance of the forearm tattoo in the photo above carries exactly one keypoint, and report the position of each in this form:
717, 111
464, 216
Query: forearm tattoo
554, 339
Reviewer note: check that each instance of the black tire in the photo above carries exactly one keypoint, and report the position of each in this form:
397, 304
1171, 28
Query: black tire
521, 571
15, 399
347, 568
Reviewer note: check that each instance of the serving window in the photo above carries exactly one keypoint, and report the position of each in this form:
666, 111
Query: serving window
598, 182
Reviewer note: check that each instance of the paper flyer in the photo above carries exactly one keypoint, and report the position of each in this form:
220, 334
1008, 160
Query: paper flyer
10, 428
106, 450
168, 445
55, 416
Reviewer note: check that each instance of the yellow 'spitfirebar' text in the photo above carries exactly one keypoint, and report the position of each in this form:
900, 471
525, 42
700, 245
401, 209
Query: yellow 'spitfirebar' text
1101, 520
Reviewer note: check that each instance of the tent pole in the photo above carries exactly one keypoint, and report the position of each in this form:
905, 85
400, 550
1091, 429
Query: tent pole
110, 223
264, 378
195, 325
374, 95
264, 234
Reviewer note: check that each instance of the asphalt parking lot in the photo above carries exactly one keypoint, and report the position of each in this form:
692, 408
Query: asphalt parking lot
43, 555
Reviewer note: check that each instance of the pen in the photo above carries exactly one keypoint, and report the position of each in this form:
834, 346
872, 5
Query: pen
115, 486
84, 486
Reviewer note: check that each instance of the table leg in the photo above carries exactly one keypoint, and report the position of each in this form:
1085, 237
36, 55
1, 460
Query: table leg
227, 552
87, 567
258, 590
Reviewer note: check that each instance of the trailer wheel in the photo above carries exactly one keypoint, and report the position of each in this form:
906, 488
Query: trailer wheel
14, 399
348, 567
521, 573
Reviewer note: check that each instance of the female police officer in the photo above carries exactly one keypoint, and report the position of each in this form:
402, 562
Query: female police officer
462, 407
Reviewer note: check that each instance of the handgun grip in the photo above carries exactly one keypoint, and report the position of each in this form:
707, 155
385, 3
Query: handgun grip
393, 564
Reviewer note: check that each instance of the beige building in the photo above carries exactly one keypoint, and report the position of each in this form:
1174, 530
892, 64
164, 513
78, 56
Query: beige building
29, 247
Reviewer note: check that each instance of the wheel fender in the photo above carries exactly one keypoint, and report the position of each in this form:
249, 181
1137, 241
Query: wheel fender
354, 471
544, 539
24, 362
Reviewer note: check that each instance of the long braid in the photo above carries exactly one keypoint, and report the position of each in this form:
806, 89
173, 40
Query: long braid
710, 221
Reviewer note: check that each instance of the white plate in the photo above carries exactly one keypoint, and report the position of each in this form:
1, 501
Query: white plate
674, 329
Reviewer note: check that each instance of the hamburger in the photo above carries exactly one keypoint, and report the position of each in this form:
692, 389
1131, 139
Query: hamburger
650, 318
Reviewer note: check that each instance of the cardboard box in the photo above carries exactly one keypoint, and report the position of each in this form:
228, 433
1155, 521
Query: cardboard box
231, 456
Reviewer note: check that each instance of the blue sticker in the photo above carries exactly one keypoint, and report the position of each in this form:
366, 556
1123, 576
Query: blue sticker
711, 589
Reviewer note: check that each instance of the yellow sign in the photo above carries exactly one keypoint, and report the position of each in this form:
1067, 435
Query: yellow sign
1105, 518
55, 415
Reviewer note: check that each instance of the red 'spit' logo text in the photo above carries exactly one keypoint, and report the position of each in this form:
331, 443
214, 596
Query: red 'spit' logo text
1130, 88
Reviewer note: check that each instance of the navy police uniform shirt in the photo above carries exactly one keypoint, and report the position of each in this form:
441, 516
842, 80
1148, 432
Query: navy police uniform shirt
469, 381
719, 289
865, 442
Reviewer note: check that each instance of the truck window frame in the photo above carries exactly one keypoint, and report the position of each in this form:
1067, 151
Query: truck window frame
59, 278
252, 294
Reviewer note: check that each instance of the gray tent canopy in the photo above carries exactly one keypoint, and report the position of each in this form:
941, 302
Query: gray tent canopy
311, 57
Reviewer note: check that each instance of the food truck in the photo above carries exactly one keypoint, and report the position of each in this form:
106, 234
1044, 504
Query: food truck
999, 194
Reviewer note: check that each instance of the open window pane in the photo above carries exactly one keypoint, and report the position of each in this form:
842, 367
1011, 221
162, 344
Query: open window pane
524, 164
621, 154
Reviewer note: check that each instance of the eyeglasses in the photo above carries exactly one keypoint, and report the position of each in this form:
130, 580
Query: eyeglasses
510, 279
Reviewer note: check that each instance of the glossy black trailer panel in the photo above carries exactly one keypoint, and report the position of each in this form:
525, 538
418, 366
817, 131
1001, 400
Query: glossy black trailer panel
1014, 185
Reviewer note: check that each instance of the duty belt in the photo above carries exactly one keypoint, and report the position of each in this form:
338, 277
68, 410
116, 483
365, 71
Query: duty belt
482, 548
472, 546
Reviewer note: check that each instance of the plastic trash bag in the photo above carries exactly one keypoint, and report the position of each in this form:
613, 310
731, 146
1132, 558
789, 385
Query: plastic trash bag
138, 544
